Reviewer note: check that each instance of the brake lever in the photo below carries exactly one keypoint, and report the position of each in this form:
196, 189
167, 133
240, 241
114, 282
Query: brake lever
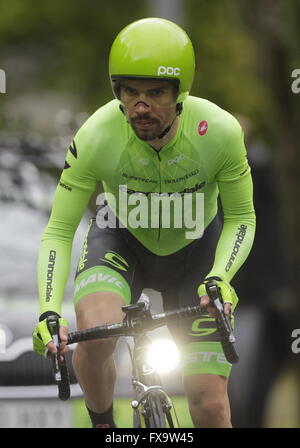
224, 318
53, 326
223, 323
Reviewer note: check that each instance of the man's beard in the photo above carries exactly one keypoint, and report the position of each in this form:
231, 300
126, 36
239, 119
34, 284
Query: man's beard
146, 136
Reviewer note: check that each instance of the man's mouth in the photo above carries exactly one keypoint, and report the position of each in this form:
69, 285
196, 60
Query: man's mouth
144, 122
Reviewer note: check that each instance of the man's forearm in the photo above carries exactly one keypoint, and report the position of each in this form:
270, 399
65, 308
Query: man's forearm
56, 247
233, 248
53, 271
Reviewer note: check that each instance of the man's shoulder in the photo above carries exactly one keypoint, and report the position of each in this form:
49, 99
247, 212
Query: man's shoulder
107, 115
205, 118
204, 108
104, 128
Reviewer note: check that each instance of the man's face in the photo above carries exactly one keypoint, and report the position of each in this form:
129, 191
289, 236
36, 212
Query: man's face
149, 105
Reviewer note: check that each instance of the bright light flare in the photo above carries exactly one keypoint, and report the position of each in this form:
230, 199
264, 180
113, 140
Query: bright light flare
163, 355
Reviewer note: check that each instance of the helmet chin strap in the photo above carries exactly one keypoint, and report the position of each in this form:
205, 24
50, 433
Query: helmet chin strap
167, 129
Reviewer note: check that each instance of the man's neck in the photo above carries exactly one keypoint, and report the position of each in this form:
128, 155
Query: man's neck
158, 143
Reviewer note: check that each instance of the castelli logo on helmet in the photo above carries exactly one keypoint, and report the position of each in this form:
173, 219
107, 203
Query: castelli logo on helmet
170, 71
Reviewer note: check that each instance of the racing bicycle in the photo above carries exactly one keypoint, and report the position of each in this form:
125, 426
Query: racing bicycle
152, 406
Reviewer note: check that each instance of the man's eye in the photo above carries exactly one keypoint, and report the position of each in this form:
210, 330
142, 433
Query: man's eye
129, 91
157, 92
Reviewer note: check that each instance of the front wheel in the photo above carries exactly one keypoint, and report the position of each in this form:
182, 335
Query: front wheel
155, 416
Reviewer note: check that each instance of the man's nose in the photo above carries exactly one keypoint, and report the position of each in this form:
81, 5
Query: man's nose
141, 106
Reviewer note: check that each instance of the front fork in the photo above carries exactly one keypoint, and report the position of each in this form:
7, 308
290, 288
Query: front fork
145, 380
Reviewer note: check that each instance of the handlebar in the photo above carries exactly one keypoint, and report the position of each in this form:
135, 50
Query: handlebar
137, 319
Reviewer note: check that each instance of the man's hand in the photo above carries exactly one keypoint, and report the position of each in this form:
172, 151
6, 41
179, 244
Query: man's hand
229, 297
42, 338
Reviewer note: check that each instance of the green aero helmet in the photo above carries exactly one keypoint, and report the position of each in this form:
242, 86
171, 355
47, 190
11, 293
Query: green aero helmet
153, 48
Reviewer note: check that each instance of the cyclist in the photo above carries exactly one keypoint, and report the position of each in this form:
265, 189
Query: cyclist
153, 142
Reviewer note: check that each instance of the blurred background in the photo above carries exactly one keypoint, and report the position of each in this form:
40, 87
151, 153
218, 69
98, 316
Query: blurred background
54, 55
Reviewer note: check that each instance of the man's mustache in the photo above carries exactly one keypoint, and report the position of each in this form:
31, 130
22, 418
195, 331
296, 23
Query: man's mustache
145, 116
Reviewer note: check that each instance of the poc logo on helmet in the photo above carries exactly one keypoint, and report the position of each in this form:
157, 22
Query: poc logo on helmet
162, 70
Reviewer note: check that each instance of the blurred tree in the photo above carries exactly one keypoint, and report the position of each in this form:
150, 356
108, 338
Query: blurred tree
62, 45
245, 54
274, 29
226, 58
